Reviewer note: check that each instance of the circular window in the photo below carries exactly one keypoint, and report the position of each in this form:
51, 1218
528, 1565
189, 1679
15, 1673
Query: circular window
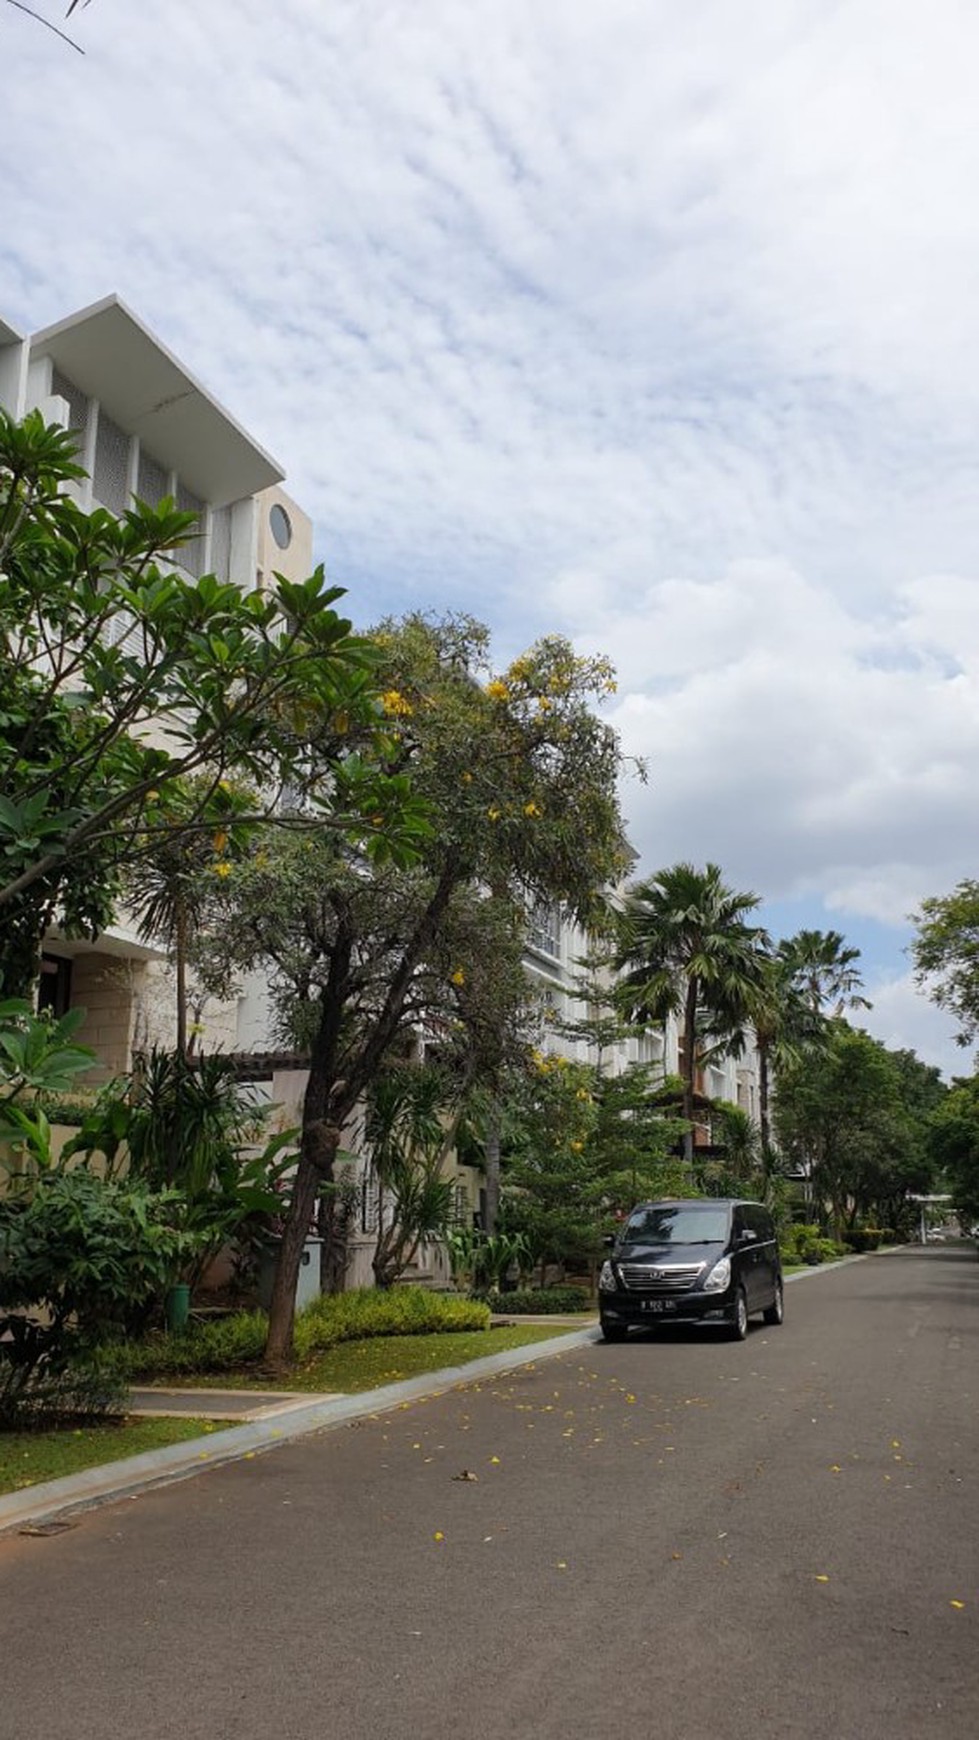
280, 526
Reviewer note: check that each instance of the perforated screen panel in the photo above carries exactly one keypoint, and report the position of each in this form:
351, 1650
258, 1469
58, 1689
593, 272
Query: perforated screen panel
77, 404
152, 480
191, 557
110, 474
221, 543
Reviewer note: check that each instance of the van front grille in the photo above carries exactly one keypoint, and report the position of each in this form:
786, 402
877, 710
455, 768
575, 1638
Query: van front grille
660, 1277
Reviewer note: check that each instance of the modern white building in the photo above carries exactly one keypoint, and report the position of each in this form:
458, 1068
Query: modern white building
146, 427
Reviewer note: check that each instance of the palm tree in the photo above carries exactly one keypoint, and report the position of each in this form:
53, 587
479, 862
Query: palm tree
784, 1024
824, 969
169, 885
686, 950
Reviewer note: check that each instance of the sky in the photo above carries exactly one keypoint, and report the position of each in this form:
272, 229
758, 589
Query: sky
652, 325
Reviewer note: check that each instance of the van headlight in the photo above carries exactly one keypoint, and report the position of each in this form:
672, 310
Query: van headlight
719, 1277
606, 1280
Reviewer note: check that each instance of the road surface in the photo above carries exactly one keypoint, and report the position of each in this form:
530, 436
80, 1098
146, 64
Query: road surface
682, 1538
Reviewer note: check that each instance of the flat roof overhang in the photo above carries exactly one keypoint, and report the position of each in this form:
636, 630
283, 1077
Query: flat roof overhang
110, 355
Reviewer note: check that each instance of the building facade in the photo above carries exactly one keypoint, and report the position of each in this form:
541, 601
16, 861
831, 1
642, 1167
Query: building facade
146, 427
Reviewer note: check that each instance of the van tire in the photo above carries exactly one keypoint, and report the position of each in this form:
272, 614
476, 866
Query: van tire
776, 1311
614, 1331
739, 1316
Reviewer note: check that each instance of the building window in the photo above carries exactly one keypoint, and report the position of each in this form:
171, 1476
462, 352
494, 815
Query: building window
54, 990
544, 930
280, 525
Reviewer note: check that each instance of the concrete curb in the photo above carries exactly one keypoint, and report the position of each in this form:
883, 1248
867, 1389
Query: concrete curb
56, 1499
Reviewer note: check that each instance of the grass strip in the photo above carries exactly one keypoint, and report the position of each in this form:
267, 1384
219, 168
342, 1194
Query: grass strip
26, 1458
354, 1366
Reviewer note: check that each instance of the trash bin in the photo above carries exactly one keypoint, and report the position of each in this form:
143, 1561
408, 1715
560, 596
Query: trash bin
177, 1307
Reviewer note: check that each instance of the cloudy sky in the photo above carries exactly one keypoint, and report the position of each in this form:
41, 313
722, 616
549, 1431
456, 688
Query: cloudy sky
653, 324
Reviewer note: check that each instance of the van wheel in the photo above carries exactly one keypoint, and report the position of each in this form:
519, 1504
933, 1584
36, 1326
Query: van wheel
614, 1332
776, 1310
739, 1316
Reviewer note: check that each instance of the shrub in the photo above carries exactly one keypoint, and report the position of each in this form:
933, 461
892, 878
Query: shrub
538, 1301
231, 1342
805, 1244
864, 1238
78, 1255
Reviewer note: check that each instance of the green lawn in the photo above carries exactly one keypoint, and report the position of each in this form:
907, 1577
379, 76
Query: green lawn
29, 1457
382, 1359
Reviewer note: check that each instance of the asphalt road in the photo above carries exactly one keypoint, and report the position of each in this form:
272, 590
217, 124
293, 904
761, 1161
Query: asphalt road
681, 1538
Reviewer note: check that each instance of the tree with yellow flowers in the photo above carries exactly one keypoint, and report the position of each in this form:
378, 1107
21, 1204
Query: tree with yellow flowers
518, 776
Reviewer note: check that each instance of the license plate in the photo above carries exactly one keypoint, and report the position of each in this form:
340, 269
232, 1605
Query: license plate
658, 1305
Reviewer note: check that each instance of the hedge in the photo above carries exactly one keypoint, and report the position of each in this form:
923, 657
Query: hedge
228, 1343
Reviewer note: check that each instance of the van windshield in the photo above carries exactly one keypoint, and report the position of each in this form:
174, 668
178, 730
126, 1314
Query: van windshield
678, 1224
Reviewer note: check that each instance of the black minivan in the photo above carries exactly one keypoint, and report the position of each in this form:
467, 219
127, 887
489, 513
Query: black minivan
699, 1260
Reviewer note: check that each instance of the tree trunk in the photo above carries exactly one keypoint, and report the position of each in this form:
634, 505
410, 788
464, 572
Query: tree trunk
180, 959
764, 1119
689, 1066
491, 1154
318, 1150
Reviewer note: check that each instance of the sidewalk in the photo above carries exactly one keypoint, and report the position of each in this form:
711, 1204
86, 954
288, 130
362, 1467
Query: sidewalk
277, 1418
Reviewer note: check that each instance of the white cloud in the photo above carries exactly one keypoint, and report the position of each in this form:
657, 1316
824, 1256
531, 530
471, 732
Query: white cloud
652, 323
903, 1019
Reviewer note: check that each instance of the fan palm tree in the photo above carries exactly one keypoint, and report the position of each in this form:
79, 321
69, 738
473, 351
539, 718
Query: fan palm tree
784, 1024
686, 950
824, 969
169, 885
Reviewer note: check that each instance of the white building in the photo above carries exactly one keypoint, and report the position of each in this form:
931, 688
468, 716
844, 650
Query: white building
147, 428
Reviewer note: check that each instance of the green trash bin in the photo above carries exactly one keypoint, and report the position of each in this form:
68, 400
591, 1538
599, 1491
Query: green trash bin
178, 1306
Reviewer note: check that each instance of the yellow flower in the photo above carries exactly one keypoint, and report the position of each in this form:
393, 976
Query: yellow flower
494, 815
222, 869
497, 690
220, 840
467, 778
531, 809
576, 1147
544, 703
459, 977
395, 704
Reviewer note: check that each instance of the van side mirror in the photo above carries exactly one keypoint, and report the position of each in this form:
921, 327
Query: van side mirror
746, 1236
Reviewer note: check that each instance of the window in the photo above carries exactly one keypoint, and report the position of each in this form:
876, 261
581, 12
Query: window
280, 525
54, 990
544, 930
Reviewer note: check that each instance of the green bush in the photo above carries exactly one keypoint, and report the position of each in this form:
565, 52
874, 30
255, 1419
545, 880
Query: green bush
231, 1342
78, 1256
800, 1243
864, 1238
538, 1301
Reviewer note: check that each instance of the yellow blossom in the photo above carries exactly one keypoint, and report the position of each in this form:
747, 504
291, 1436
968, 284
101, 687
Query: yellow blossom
576, 1147
494, 815
531, 809
459, 977
395, 704
497, 690
220, 840
222, 869
467, 778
